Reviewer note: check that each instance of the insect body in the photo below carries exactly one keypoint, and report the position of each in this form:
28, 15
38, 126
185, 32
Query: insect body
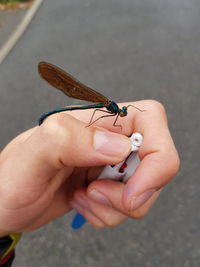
75, 89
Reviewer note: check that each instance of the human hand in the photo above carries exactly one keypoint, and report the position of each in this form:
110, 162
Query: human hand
41, 168
107, 202
49, 169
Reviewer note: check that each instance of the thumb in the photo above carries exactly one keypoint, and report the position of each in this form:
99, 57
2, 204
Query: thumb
59, 142
68, 141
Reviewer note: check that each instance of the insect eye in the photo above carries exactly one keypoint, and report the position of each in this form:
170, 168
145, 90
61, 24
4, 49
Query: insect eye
122, 114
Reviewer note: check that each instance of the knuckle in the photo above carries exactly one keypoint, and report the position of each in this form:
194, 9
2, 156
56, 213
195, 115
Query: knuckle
173, 160
175, 165
115, 219
157, 105
54, 129
138, 214
111, 223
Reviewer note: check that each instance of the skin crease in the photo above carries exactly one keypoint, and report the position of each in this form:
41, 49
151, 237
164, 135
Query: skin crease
48, 170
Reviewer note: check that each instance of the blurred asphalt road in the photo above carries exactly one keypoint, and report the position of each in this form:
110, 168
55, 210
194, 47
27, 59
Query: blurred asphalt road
128, 50
8, 22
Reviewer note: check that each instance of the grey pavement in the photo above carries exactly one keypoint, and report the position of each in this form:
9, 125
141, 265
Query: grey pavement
128, 50
9, 19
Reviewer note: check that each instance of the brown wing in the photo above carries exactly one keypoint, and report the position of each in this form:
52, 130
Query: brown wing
63, 81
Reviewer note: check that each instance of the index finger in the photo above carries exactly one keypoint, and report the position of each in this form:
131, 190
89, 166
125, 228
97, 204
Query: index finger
159, 158
158, 153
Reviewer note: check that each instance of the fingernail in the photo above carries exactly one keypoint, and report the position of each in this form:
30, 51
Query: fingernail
137, 202
111, 144
82, 202
99, 197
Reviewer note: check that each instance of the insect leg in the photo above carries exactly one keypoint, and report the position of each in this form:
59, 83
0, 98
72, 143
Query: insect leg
116, 121
97, 109
101, 118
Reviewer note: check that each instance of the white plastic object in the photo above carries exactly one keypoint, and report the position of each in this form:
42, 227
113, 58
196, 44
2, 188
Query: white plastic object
132, 161
121, 171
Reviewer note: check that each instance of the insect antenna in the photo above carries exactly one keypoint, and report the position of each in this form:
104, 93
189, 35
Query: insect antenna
141, 110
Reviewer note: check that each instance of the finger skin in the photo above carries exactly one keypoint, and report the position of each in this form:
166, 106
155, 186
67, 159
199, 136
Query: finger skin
36, 164
159, 162
114, 191
106, 213
159, 158
49, 149
88, 215
113, 215
145, 208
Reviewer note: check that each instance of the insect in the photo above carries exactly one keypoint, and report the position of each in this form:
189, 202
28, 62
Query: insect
63, 81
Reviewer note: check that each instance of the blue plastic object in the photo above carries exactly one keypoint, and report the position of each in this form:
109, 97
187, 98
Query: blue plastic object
78, 221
